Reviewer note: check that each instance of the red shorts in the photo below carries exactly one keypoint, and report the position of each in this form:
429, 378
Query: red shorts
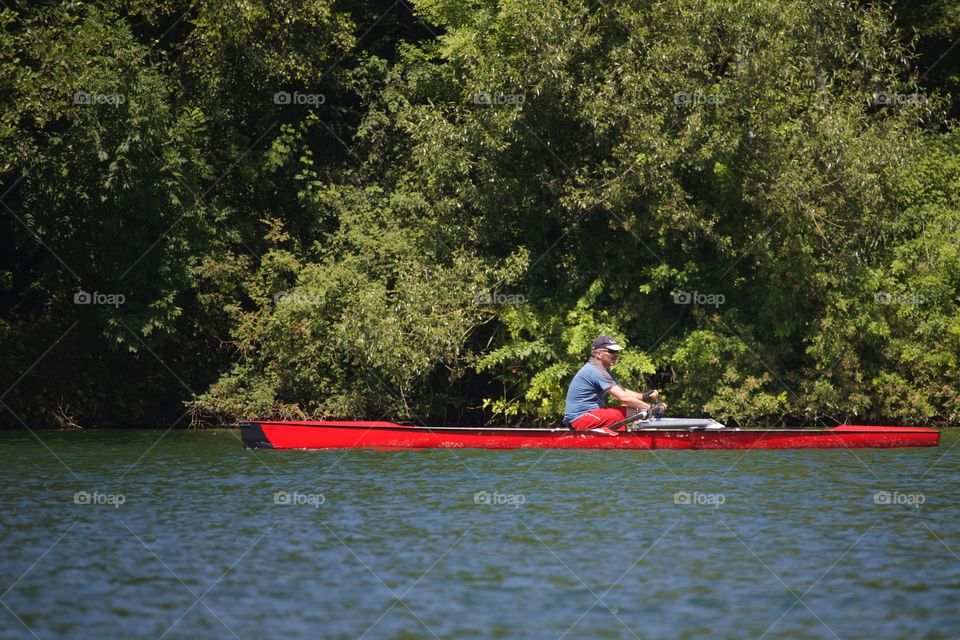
606, 417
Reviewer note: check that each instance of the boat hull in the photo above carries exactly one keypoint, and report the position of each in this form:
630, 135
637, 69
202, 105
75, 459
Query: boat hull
387, 435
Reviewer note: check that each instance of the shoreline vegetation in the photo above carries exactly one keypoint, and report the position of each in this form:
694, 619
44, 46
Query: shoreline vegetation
425, 211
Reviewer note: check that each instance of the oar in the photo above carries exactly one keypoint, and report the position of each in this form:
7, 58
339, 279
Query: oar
634, 418
642, 415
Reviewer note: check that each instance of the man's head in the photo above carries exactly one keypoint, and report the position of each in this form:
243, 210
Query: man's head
605, 349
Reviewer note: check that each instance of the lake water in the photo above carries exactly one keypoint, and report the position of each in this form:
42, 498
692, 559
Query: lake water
137, 534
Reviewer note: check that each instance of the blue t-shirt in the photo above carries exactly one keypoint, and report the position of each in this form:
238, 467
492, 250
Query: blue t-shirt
587, 390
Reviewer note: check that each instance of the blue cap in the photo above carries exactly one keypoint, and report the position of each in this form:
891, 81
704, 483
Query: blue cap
605, 342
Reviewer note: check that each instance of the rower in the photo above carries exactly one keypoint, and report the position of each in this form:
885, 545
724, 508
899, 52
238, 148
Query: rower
586, 406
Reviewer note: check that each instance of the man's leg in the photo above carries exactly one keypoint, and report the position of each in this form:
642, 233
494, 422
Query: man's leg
600, 420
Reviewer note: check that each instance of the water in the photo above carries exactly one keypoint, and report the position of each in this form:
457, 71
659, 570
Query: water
184, 538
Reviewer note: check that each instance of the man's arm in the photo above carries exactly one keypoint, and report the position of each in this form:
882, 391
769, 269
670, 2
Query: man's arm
632, 398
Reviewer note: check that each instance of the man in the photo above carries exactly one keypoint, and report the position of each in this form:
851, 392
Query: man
586, 398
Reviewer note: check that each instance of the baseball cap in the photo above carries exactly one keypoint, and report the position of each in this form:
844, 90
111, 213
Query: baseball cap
605, 342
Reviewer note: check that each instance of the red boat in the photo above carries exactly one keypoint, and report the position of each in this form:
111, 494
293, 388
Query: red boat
664, 433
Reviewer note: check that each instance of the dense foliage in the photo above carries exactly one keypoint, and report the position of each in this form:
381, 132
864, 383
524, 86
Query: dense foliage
427, 211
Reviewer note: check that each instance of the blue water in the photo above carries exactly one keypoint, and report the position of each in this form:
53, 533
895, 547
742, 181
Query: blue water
193, 537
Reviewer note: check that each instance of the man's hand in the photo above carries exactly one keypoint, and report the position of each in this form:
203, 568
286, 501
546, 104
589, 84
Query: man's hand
633, 398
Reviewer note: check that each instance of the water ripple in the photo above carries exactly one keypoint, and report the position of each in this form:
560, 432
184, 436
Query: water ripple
190, 536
